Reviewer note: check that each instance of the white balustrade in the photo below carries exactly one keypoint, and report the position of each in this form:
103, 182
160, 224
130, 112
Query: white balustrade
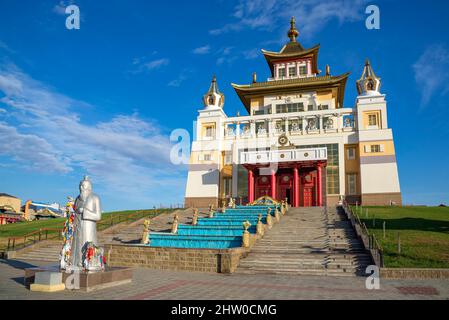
283, 155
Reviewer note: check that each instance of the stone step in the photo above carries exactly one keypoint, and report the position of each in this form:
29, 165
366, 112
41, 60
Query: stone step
308, 241
299, 272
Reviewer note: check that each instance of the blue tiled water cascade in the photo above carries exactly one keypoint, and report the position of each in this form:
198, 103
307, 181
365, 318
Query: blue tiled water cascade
211, 230
224, 230
162, 239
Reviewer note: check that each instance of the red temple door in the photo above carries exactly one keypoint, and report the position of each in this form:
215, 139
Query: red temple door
308, 189
308, 196
285, 187
263, 187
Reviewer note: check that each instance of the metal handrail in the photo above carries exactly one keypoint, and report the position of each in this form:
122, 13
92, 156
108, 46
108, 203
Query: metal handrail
12, 241
374, 247
42, 234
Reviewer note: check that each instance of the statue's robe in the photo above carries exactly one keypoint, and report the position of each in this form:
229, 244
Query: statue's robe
85, 226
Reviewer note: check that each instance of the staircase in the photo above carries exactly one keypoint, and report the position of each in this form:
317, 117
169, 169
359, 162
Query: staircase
48, 250
309, 241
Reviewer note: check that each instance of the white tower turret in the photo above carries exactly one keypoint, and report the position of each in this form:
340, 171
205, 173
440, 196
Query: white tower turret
213, 99
369, 83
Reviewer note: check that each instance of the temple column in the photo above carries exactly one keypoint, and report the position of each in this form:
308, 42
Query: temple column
273, 184
250, 185
237, 130
286, 125
319, 186
295, 187
252, 128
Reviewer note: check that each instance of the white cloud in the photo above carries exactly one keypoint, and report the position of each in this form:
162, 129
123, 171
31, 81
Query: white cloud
127, 153
156, 64
311, 15
183, 76
5, 47
201, 50
251, 54
142, 64
61, 6
225, 56
31, 151
432, 72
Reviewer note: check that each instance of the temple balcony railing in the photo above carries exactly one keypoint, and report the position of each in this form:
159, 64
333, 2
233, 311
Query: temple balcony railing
298, 76
283, 155
293, 123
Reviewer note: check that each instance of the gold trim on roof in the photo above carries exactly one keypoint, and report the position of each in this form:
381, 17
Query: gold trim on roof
247, 91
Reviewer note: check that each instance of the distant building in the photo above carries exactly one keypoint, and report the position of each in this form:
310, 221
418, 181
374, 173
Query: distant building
9, 203
38, 210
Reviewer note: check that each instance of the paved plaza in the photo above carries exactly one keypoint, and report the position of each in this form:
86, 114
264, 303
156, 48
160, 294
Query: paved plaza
156, 284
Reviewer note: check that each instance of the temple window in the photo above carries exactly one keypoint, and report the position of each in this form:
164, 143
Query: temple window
303, 70
207, 157
310, 107
352, 183
289, 107
351, 153
209, 133
228, 158
281, 72
292, 71
375, 148
372, 120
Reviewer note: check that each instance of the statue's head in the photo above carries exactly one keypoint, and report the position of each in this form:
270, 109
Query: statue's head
85, 187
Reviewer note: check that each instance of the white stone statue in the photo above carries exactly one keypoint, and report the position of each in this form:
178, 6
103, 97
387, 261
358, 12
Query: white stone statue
295, 126
311, 124
347, 123
85, 243
279, 128
261, 130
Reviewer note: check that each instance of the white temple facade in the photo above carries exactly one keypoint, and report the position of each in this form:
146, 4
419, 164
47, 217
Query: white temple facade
298, 141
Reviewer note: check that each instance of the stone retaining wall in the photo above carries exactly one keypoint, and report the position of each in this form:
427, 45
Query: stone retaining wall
203, 260
413, 273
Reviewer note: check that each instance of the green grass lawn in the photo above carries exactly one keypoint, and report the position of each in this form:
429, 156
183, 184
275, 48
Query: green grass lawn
21, 228
424, 235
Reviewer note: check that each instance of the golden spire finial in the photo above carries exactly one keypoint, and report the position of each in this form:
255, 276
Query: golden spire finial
293, 33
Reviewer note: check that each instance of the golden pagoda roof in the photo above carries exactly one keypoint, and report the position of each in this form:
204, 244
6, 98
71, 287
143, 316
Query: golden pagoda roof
292, 50
248, 91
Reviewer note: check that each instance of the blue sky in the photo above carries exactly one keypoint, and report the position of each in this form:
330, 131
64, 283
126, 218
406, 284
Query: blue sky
102, 100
